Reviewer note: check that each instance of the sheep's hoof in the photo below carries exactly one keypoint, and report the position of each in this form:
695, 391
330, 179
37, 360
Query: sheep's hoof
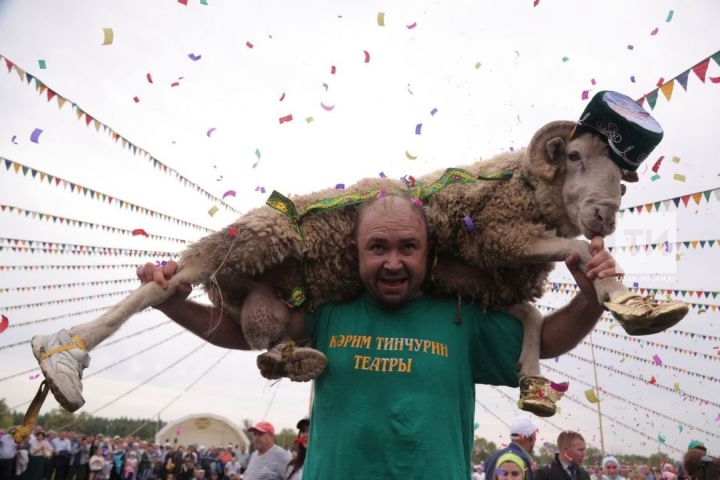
643, 315
299, 364
538, 396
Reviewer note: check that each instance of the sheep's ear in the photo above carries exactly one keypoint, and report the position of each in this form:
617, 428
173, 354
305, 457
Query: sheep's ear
629, 176
623, 189
546, 151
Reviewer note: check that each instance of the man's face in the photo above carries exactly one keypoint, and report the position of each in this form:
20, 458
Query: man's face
575, 452
392, 251
262, 441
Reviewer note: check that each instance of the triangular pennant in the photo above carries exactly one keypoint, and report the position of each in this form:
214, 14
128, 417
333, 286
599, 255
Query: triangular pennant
697, 197
701, 69
50, 94
649, 207
685, 199
706, 193
41, 88
716, 57
652, 98
61, 101
676, 201
682, 79
640, 101
657, 206
639, 208
9, 65
702, 245
667, 89
20, 72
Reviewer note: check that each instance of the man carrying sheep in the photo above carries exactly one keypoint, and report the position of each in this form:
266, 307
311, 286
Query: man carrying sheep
397, 397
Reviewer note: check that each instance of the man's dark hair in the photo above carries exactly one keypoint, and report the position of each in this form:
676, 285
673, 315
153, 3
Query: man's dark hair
699, 466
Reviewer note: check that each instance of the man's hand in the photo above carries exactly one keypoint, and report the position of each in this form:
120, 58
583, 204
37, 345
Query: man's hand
160, 275
601, 265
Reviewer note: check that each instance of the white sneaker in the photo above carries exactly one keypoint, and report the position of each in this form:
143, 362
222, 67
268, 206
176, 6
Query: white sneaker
62, 360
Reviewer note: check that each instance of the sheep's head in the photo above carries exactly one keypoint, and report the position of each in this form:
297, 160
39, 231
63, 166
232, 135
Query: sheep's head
591, 187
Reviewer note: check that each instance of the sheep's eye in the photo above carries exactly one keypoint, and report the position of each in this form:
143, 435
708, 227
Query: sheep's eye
623, 189
574, 156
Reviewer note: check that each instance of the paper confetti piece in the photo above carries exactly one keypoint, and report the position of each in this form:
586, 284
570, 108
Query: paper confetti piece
517, 54
327, 108
232, 232
184, 2
418, 128
282, 97
367, 56
13, 139
285, 119
717, 419
332, 70
652, 380
535, 3
593, 82
4, 323
108, 36
477, 65
213, 210
325, 86
679, 177
469, 223
656, 165
309, 119
382, 175
680, 428
560, 387
411, 26
655, 31
477, 425
139, 231
203, 2
630, 47
194, 57
136, 99
657, 360
661, 438
33, 377
175, 84
433, 111
585, 94
210, 131
260, 189
340, 186
410, 157
669, 16
42, 64
632, 78
714, 79
565, 59
149, 78
35, 135
591, 396
675, 159
381, 19
229, 193
655, 178
248, 44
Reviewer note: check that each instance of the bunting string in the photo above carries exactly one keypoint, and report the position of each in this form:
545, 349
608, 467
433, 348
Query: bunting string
86, 266
670, 293
630, 402
94, 194
41, 88
700, 69
68, 285
35, 215
64, 300
667, 247
19, 245
658, 345
667, 203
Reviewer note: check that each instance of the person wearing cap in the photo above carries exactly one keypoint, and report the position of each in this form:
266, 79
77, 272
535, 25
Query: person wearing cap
268, 461
697, 444
567, 464
523, 436
700, 466
509, 466
611, 468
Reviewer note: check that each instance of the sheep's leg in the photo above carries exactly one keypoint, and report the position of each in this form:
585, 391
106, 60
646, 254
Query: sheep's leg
265, 321
638, 315
536, 394
63, 355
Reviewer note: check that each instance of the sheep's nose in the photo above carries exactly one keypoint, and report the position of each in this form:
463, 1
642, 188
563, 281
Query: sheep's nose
606, 218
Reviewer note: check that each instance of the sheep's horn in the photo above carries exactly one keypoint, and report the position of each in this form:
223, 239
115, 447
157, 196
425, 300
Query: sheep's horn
539, 162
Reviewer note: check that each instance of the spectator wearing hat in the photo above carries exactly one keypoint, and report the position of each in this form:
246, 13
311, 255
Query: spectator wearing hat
295, 466
700, 466
568, 460
523, 436
611, 468
510, 466
268, 461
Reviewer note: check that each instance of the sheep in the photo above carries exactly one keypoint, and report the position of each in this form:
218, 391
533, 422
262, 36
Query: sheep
506, 219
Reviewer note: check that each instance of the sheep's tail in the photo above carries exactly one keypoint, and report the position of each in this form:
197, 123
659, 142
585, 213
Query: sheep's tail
147, 295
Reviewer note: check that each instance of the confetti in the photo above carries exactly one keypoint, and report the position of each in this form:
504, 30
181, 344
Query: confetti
418, 128
410, 91
655, 31
136, 99
249, 45
477, 65
285, 119
175, 84
661, 438
194, 57
332, 70
593, 82
655, 178
232, 232
42, 64
717, 419
213, 210
417, 202
535, 3
591, 396
340, 186
410, 157
203, 2
325, 86
560, 387
675, 159
657, 360
367, 56
517, 54
229, 193
714, 79
108, 36
139, 231
656, 165
469, 223
477, 425
282, 97
13, 139
679, 177
381, 19
309, 119
35, 135
680, 428
411, 26
632, 78
382, 175
33, 377
585, 94
670, 15
652, 380
179, 430
149, 78
210, 131
565, 59
4, 323
184, 2
327, 108
630, 47
433, 111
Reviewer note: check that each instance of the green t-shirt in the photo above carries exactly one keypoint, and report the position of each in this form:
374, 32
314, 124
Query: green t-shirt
397, 399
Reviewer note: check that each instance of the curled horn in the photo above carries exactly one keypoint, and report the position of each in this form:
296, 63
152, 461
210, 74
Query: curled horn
543, 152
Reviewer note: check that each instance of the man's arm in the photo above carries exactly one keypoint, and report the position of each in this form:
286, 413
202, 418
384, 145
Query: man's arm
565, 328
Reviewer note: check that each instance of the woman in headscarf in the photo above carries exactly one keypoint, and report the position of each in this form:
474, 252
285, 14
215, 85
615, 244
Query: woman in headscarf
510, 467
611, 468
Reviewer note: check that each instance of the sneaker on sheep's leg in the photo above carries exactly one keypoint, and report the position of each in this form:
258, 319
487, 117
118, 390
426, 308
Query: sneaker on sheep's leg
640, 315
299, 364
62, 359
